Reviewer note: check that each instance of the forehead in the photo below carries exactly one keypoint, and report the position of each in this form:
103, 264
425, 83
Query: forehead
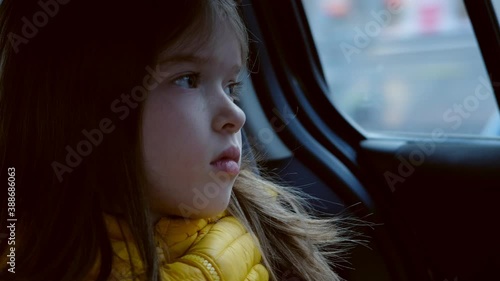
220, 43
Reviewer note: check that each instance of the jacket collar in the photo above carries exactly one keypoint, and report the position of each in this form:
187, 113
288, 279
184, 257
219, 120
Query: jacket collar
173, 236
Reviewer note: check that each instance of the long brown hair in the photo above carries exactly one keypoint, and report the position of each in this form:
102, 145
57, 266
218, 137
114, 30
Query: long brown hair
63, 77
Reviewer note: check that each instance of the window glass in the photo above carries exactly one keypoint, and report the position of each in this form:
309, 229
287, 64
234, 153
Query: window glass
496, 6
411, 66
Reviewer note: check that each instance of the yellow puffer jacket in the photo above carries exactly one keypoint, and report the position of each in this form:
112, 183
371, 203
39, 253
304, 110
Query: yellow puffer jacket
202, 249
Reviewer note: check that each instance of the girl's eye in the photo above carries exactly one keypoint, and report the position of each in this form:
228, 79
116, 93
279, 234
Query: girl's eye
233, 90
189, 81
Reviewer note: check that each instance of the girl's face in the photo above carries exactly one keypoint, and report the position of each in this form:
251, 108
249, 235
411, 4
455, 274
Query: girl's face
192, 129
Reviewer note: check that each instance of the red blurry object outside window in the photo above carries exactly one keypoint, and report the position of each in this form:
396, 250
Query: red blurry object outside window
336, 8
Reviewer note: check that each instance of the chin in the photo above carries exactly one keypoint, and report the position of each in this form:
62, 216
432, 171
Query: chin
201, 207
212, 211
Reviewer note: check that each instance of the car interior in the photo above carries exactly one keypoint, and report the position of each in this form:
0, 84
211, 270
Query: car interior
432, 196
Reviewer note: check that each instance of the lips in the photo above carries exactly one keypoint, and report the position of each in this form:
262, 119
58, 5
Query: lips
228, 161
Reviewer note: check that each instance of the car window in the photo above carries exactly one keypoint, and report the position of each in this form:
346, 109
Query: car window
410, 66
496, 6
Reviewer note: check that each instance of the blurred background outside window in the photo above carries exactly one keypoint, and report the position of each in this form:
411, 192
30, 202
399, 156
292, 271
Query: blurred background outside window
410, 66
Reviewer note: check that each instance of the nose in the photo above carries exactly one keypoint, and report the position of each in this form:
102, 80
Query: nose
229, 118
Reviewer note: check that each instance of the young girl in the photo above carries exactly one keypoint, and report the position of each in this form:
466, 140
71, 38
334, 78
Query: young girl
118, 121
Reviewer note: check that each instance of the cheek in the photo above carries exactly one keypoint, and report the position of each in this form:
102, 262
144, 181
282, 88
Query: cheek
155, 135
166, 165
173, 138
177, 152
171, 149
167, 200
161, 125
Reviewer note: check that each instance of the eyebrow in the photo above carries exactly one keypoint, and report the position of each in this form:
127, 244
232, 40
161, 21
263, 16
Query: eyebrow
190, 58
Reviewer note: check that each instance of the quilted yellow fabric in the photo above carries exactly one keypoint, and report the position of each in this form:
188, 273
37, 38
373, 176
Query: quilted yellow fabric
202, 249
